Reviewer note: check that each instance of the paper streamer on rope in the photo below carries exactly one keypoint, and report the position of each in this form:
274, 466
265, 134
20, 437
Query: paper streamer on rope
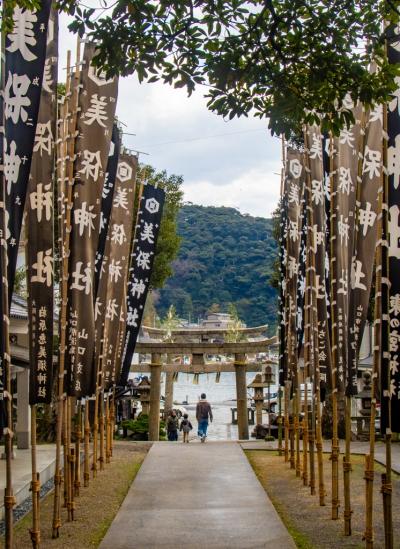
39, 220
146, 234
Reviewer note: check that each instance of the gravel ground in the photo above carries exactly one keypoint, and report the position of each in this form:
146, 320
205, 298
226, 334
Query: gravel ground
23, 508
95, 508
310, 524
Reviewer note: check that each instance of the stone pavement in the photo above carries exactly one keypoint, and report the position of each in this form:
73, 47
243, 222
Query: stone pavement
21, 471
194, 496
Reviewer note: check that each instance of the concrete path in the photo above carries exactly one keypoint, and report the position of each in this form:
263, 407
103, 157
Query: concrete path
196, 496
21, 471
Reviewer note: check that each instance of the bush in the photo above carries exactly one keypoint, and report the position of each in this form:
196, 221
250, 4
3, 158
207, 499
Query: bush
139, 428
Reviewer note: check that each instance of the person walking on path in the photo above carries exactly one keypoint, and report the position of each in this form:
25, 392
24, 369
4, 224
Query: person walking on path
172, 426
203, 413
186, 427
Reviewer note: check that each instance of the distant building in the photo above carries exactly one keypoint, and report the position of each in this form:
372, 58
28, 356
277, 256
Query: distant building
217, 320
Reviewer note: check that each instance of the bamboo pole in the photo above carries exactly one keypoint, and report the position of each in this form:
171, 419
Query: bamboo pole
67, 150
95, 430
335, 438
280, 450
35, 485
297, 427
108, 429
101, 430
314, 354
35, 481
70, 463
311, 443
65, 453
347, 469
9, 498
305, 435
318, 434
308, 346
78, 436
386, 487
370, 458
287, 426
86, 465
112, 419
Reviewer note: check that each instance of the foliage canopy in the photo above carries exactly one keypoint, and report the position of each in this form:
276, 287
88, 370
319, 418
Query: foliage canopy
291, 61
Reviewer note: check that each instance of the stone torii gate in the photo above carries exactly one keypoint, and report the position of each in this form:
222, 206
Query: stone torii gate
197, 349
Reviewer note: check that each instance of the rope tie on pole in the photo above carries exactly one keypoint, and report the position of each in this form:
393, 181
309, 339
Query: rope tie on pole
369, 475
35, 486
336, 503
347, 514
347, 466
35, 537
386, 488
9, 501
368, 536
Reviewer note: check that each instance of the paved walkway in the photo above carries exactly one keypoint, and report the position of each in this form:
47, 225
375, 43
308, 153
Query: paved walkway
194, 496
21, 471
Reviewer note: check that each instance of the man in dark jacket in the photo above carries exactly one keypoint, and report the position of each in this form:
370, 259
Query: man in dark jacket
203, 413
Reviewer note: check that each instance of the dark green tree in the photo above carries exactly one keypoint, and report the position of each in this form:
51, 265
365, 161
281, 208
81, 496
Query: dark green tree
225, 257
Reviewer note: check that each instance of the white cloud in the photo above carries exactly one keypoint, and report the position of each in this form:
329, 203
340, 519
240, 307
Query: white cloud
256, 192
234, 168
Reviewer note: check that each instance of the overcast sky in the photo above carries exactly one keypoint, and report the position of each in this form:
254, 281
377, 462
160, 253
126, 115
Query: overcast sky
224, 163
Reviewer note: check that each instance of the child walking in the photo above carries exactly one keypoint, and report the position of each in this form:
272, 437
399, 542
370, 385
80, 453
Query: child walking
186, 427
172, 426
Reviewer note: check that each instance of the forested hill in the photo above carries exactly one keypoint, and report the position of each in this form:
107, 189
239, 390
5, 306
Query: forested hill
225, 257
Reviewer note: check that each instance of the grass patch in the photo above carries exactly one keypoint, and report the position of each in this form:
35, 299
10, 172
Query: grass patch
96, 537
311, 525
96, 506
301, 540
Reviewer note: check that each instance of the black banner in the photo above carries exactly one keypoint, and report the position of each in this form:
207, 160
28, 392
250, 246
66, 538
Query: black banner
97, 102
39, 222
110, 307
317, 192
391, 370
301, 275
294, 183
146, 234
283, 368
25, 55
22, 74
106, 202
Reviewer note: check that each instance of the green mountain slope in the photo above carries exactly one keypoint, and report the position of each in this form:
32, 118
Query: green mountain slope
225, 257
